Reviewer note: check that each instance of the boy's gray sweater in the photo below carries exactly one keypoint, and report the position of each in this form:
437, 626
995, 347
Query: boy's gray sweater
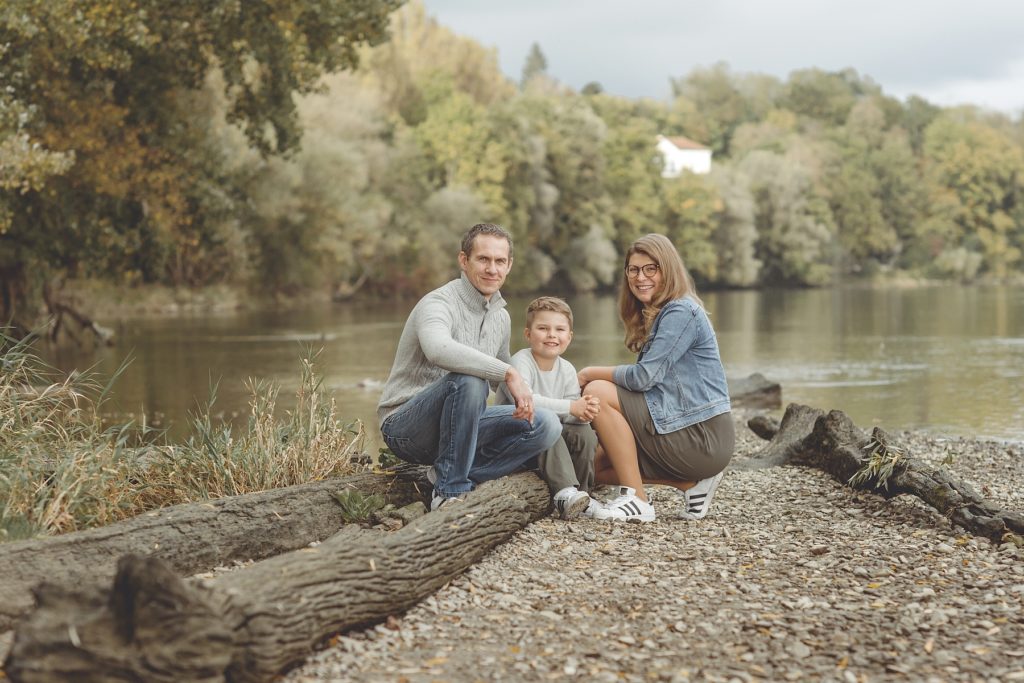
452, 329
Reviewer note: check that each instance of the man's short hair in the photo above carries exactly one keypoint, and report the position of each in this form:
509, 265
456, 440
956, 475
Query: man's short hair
485, 229
548, 303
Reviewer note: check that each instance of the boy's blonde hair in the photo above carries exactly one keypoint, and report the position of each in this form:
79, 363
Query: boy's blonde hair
548, 303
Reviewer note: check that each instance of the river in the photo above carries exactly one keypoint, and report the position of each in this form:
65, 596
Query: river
946, 359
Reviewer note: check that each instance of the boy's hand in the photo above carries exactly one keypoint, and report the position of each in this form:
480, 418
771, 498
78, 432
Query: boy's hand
585, 408
521, 394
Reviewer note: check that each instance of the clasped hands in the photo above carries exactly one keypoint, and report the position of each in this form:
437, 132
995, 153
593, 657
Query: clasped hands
586, 407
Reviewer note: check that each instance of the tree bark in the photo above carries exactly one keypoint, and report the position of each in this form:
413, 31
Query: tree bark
755, 391
833, 443
250, 624
192, 537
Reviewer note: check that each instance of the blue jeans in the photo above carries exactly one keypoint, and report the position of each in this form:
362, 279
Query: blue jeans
450, 426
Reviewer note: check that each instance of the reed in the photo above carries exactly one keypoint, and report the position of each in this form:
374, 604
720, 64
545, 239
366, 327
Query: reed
62, 469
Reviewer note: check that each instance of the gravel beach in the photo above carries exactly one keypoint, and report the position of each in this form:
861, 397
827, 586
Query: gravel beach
791, 577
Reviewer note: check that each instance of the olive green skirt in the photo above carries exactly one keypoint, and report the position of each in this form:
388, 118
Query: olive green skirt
688, 454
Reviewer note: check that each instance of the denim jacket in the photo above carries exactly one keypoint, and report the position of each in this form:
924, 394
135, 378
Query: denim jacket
679, 370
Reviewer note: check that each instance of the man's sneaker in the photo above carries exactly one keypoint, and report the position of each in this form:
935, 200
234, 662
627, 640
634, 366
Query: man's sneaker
439, 502
570, 502
627, 508
698, 497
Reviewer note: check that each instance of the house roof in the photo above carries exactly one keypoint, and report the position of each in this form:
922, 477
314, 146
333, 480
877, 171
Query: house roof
683, 142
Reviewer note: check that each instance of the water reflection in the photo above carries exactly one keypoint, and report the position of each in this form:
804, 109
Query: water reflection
946, 359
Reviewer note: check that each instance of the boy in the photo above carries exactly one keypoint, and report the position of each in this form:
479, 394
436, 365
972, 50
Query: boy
568, 465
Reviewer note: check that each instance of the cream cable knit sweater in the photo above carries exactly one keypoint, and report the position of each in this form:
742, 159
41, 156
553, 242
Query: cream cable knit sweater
452, 329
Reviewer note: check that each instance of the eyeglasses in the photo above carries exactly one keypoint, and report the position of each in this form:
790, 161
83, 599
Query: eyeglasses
648, 269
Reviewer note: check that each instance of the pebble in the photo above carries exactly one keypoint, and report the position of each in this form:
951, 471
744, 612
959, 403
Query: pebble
792, 576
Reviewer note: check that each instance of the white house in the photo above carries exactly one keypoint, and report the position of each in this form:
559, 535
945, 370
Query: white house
683, 154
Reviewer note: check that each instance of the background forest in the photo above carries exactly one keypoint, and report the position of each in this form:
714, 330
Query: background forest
152, 142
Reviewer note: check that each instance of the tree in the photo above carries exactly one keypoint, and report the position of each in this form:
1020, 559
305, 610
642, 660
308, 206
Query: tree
977, 176
824, 95
692, 206
735, 236
793, 222
721, 106
108, 85
536, 65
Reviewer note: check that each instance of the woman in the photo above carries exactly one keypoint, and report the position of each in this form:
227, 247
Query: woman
664, 419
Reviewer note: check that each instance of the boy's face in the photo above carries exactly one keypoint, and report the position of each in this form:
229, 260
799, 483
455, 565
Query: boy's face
549, 334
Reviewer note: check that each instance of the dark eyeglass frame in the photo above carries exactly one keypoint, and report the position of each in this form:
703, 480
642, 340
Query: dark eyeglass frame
648, 269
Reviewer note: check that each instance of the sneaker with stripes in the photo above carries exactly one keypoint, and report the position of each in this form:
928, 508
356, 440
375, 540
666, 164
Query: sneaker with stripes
698, 497
626, 508
570, 502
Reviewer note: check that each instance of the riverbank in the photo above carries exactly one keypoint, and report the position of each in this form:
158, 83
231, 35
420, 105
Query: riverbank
791, 577
108, 302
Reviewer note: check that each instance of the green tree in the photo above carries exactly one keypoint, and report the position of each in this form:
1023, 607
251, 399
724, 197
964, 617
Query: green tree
735, 236
536, 65
715, 102
118, 78
692, 206
794, 226
977, 177
824, 95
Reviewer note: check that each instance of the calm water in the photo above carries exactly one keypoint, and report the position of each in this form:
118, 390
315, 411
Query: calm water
949, 360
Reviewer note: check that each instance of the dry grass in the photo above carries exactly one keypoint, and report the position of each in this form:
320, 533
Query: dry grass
61, 470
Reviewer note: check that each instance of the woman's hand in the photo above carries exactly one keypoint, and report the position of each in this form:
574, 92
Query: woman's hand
592, 372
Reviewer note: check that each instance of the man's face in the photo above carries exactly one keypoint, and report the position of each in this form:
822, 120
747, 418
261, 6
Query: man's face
488, 264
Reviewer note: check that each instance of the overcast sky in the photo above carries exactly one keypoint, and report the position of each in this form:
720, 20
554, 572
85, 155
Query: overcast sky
947, 51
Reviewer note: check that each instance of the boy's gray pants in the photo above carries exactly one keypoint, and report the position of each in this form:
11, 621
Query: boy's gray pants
570, 462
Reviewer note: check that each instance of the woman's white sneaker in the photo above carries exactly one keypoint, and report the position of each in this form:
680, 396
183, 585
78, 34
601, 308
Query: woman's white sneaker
591, 511
698, 497
626, 508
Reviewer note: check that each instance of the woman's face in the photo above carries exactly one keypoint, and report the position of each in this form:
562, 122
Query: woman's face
644, 277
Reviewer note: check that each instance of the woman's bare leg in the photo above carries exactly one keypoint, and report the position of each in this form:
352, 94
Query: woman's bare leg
604, 473
616, 437
681, 485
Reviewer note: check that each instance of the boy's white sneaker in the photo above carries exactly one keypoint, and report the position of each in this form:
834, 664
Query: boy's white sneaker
570, 502
627, 508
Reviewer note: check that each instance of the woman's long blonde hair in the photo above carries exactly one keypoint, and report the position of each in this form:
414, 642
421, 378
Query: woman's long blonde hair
676, 283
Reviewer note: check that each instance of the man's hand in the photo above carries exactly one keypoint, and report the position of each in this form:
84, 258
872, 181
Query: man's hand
585, 408
521, 394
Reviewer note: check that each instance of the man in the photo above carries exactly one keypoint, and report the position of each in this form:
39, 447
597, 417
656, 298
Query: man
433, 410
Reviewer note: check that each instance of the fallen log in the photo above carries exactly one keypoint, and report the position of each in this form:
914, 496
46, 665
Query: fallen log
192, 537
754, 391
250, 624
833, 443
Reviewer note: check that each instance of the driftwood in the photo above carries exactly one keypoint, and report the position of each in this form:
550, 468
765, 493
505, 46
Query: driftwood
833, 443
191, 538
250, 624
754, 391
764, 426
